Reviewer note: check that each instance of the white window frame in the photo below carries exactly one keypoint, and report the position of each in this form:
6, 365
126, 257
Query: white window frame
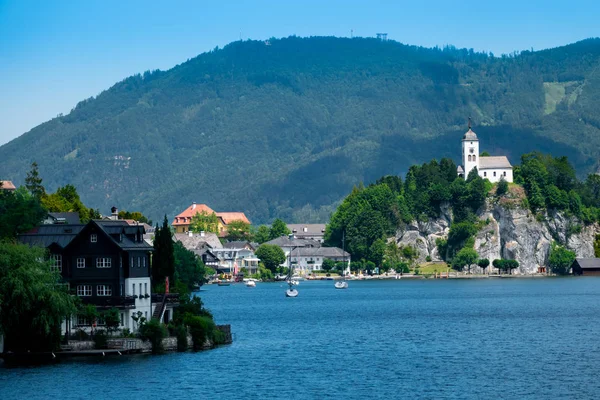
80, 262
93, 238
56, 262
81, 321
84, 290
103, 262
104, 290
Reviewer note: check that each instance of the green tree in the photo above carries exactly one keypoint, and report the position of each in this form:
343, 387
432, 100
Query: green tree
278, 229
33, 302
134, 215
189, 268
163, 264
33, 182
19, 213
238, 230
89, 313
510, 265
155, 332
499, 264
262, 234
377, 252
483, 264
271, 256
112, 319
465, 257
502, 188
561, 259
205, 222
327, 265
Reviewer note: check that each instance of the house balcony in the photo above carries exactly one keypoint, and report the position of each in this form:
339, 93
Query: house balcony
121, 302
172, 298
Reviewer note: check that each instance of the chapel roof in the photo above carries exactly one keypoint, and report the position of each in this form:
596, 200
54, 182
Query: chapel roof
491, 162
470, 135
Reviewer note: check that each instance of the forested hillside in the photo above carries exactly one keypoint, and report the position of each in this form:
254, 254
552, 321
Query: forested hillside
285, 129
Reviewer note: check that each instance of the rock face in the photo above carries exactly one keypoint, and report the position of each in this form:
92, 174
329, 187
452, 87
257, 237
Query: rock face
508, 232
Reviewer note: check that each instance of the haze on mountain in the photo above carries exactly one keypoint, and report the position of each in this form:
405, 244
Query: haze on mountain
285, 128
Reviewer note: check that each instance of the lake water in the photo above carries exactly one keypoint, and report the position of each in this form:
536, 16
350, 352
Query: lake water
464, 339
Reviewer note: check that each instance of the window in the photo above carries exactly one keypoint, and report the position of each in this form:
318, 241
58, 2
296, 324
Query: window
484, 174
103, 262
56, 262
133, 289
140, 290
139, 262
81, 321
80, 262
131, 263
93, 238
146, 315
146, 288
104, 290
144, 260
122, 319
504, 173
474, 157
494, 173
469, 157
84, 290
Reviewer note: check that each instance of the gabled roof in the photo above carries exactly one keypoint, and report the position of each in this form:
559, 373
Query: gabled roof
229, 217
307, 229
68, 217
588, 263
240, 244
320, 252
190, 212
491, 162
7, 185
46, 235
196, 241
284, 241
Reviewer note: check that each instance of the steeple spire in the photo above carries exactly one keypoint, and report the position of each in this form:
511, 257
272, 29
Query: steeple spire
469, 123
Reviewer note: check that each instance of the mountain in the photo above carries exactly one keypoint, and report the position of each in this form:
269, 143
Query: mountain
285, 128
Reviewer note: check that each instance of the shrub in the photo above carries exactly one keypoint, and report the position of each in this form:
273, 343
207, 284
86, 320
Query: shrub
100, 339
181, 334
428, 258
155, 332
201, 329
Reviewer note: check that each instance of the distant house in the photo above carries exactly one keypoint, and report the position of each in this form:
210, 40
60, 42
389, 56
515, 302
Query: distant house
182, 221
586, 266
308, 231
287, 244
232, 260
107, 264
201, 244
241, 244
306, 260
8, 186
69, 218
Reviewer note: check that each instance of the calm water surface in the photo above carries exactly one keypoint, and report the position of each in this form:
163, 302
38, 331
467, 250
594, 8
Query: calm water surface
509, 338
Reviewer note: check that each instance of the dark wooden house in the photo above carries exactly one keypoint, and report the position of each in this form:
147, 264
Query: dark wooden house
586, 266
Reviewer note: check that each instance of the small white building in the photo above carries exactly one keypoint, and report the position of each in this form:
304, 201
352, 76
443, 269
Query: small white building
492, 168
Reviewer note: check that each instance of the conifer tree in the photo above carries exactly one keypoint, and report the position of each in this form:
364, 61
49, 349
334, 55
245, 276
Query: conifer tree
33, 182
164, 258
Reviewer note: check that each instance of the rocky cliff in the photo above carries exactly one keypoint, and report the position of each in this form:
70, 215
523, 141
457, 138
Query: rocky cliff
509, 231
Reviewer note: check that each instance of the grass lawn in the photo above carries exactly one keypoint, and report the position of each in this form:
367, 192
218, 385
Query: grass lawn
430, 268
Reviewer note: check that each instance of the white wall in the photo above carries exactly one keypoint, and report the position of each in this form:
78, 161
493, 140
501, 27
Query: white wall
466, 146
489, 174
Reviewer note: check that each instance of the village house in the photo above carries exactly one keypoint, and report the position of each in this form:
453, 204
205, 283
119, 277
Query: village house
586, 266
308, 231
492, 168
232, 260
201, 244
106, 263
182, 221
8, 186
58, 218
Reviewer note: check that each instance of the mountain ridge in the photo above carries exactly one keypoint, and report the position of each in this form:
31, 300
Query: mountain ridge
286, 129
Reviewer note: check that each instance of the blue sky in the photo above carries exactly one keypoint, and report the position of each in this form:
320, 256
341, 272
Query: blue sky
55, 53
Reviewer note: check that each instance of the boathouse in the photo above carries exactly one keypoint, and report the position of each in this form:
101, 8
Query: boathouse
586, 266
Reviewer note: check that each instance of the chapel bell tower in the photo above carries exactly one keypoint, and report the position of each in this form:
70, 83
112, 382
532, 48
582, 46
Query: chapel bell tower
470, 151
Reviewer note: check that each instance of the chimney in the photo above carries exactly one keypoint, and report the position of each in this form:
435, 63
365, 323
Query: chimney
202, 234
193, 205
114, 211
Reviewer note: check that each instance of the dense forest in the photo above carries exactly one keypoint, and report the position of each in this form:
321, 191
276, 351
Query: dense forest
287, 128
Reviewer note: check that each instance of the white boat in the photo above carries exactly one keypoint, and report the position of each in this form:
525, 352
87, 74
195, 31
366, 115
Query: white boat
293, 282
251, 284
341, 285
291, 293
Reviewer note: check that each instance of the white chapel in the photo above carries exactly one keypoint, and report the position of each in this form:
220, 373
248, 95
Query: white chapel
492, 168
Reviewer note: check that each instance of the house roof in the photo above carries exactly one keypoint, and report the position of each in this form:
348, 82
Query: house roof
229, 217
240, 244
46, 235
307, 229
284, 241
588, 263
190, 212
320, 252
494, 162
7, 185
196, 241
68, 217
470, 135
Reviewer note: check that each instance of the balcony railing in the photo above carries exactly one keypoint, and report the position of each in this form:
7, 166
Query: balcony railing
172, 298
110, 301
